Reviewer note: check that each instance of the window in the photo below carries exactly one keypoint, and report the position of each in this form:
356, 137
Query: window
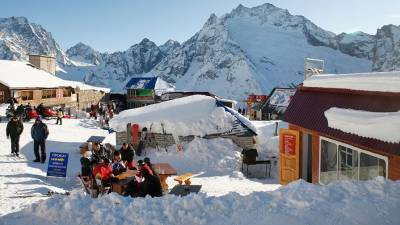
371, 167
49, 93
26, 95
2, 98
66, 92
339, 161
328, 166
348, 159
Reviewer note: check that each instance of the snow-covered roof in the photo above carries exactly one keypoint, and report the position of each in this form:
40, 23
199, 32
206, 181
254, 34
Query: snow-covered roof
379, 81
192, 115
15, 74
83, 86
384, 126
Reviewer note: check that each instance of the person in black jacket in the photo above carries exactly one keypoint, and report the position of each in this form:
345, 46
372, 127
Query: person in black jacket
39, 133
151, 184
14, 130
127, 155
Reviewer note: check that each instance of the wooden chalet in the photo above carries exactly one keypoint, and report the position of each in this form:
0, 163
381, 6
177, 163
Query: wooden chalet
314, 150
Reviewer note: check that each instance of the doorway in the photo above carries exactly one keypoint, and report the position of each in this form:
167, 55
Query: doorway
306, 157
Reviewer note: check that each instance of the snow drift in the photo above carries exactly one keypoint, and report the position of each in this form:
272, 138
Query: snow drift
384, 126
192, 115
340, 203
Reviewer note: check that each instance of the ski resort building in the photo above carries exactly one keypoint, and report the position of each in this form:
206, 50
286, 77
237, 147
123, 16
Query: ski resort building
142, 91
180, 120
254, 105
29, 84
343, 127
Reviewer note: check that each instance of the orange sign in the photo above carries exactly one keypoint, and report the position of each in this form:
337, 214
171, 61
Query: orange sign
135, 134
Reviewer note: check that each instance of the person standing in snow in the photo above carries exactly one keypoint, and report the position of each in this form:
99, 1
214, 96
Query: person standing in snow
60, 115
39, 133
14, 130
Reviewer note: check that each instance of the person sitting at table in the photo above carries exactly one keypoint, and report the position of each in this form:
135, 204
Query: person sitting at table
103, 171
127, 155
118, 165
149, 164
151, 184
86, 165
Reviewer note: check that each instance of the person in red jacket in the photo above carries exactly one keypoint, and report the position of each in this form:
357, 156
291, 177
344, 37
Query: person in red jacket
104, 171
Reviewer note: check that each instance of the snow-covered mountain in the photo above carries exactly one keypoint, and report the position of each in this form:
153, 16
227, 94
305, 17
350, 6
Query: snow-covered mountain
249, 50
84, 53
19, 37
252, 50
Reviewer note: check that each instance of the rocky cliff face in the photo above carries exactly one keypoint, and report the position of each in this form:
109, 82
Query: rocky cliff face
386, 54
249, 50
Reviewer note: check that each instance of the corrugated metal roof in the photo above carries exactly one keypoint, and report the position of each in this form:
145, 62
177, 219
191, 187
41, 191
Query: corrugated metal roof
308, 105
142, 83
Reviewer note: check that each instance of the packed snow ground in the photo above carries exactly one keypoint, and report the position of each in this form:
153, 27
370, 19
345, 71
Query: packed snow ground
22, 181
226, 197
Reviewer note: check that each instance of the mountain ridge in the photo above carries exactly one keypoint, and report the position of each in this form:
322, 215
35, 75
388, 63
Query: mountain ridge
248, 50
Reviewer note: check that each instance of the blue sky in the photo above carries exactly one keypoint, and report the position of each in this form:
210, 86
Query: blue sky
110, 25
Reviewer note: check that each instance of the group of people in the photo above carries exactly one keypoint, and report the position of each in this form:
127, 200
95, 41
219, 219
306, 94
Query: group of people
104, 111
97, 165
39, 134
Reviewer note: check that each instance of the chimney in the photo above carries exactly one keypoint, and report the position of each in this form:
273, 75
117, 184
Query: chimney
44, 62
313, 67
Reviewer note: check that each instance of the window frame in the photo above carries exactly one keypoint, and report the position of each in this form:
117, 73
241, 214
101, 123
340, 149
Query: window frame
359, 151
22, 95
49, 96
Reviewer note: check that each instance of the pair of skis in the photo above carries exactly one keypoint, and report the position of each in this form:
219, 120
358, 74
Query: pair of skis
45, 195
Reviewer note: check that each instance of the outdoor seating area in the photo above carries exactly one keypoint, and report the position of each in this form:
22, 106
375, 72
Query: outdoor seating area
105, 169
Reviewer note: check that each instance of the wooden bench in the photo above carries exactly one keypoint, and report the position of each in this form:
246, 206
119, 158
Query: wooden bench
249, 157
184, 178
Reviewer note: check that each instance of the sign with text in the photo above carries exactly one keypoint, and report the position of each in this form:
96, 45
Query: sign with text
289, 144
58, 163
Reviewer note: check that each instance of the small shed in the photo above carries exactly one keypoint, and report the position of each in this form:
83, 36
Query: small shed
342, 127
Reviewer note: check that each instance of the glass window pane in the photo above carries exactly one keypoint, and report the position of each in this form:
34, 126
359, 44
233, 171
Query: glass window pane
328, 170
371, 167
348, 159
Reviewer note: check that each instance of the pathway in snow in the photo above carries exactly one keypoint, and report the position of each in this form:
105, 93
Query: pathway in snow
22, 177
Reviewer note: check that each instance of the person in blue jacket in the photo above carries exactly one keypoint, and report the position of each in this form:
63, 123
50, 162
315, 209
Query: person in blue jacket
39, 133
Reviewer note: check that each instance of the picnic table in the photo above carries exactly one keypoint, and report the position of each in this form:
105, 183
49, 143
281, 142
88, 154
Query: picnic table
123, 181
164, 171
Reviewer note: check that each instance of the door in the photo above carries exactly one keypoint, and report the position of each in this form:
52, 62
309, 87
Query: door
306, 157
289, 155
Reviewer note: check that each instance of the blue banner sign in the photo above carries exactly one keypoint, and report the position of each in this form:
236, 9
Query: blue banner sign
57, 164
